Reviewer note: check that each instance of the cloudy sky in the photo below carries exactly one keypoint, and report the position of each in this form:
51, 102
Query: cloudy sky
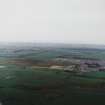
57, 21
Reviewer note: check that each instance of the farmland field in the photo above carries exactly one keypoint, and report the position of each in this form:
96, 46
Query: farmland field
42, 75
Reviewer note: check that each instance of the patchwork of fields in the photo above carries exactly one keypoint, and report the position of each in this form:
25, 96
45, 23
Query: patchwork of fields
36, 75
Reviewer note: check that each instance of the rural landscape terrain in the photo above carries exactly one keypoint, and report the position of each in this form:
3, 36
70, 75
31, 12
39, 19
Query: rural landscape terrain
52, 74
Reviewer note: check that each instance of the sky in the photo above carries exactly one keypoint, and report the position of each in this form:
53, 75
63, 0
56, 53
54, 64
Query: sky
54, 21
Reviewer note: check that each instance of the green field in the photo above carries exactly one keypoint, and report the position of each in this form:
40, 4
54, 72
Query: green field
41, 87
